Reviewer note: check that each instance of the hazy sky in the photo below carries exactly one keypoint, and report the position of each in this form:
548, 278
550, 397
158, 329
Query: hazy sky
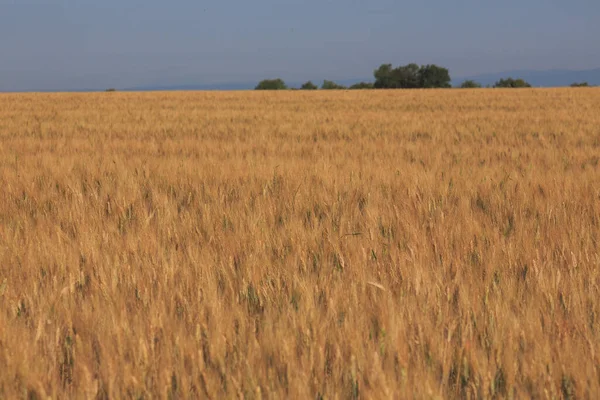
75, 44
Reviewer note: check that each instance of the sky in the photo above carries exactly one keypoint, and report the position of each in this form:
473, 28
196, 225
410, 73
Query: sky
91, 44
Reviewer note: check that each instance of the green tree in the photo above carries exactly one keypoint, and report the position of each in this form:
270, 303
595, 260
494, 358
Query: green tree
580, 84
469, 84
309, 86
271, 84
383, 77
512, 83
406, 77
362, 85
432, 76
411, 76
331, 85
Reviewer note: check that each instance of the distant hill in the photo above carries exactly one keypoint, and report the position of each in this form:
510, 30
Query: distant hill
210, 86
232, 85
549, 78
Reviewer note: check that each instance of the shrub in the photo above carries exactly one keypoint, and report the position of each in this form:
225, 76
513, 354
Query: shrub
512, 83
362, 85
271, 84
470, 84
331, 85
309, 86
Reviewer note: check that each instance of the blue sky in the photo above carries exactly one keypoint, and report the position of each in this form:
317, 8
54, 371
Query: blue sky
76, 44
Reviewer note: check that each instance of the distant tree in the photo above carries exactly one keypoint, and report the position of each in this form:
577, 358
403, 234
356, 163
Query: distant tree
111, 90
407, 77
309, 86
331, 85
432, 76
411, 76
469, 84
511, 83
362, 85
580, 84
271, 84
383, 77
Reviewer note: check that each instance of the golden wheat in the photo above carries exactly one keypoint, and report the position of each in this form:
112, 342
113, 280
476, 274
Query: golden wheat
372, 244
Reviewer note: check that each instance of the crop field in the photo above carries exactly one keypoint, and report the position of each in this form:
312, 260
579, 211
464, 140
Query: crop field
312, 245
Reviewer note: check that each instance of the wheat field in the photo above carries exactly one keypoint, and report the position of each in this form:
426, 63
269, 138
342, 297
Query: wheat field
346, 244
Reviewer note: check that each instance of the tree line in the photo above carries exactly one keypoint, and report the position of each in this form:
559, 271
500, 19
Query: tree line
410, 76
